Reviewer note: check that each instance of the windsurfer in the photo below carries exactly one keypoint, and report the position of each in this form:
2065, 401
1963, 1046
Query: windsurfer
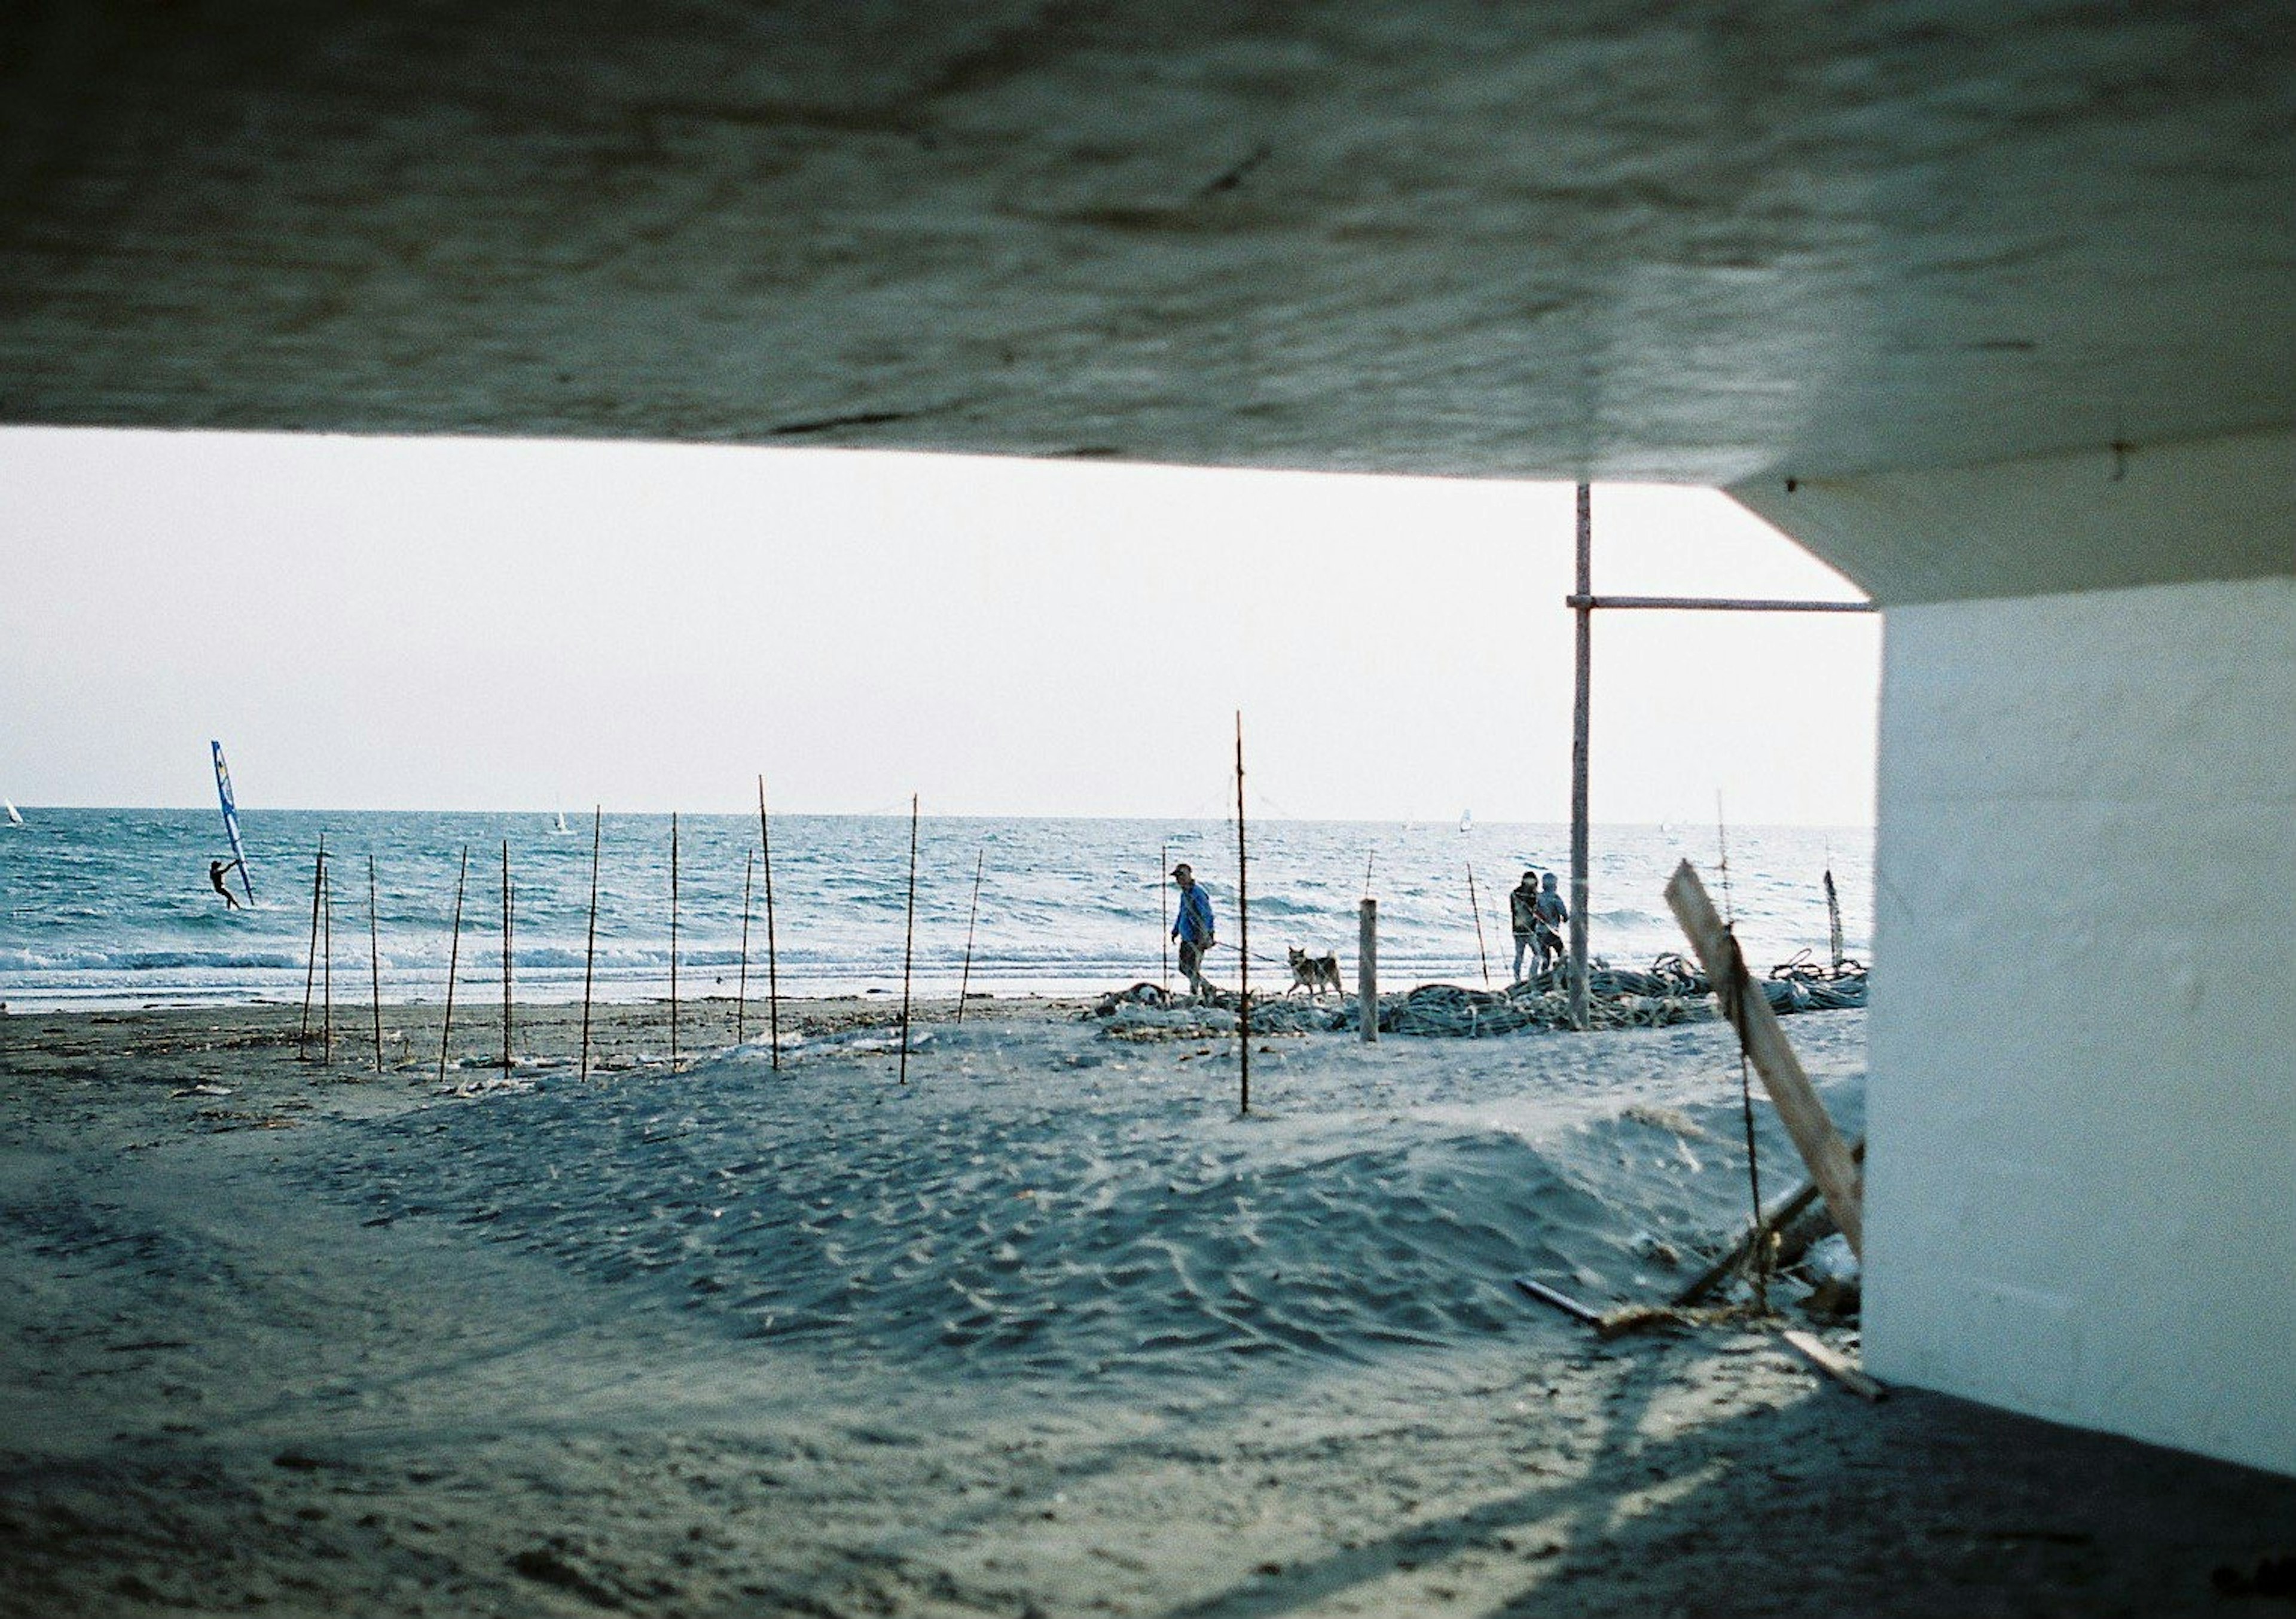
216, 869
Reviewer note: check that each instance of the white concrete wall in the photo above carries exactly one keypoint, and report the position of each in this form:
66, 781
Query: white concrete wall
2082, 1177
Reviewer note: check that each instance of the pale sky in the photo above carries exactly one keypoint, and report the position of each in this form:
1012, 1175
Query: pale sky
443, 624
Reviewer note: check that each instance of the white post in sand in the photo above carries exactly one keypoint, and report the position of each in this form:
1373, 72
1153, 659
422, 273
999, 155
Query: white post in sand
1368, 969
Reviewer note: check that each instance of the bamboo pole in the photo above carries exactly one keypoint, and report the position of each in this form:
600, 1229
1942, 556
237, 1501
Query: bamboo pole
311, 957
1476, 906
1164, 910
1580, 717
326, 964
908, 949
1243, 939
741, 984
374, 964
590, 950
505, 956
454, 960
673, 941
773, 956
980, 859
1367, 970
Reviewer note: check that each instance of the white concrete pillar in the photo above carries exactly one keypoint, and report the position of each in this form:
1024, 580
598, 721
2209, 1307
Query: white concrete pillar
2081, 1178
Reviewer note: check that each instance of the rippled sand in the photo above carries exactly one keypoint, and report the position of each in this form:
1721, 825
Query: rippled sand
1050, 1329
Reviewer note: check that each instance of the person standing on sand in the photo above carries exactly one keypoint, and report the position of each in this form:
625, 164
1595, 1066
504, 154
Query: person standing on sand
216, 869
1522, 910
1193, 928
1551, 914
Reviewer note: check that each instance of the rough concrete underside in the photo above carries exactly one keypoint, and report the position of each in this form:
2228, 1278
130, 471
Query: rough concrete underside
1714, 241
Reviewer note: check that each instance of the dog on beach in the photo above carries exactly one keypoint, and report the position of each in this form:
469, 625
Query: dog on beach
1312, 973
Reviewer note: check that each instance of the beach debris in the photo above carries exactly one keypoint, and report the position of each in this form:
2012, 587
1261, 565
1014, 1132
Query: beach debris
1833, 1363
1804, 1117
1786, 1228
1622, 1319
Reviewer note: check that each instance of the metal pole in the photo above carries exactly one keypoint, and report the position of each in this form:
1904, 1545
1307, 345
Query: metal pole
311, 956
374, 964
454, 960
980, 859
590, 951
741, 984
1243, 939
773, 956
1367, 970
1580, 713
673, 941
1476, 906
909, 949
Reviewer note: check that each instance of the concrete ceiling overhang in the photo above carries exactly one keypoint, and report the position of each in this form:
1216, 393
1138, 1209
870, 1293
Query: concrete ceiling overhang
1713, 242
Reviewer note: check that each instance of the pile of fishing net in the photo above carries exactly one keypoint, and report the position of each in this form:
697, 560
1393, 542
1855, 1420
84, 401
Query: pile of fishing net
1672, 990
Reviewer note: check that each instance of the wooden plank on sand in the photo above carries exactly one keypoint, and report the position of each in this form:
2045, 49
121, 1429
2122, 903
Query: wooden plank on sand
1832, 1362
1805, 1117
1560, 1300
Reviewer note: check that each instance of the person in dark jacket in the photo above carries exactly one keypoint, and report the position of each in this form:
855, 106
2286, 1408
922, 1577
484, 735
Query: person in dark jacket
1522, 908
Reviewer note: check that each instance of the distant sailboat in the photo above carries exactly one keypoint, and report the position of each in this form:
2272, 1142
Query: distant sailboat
1467, 821
561, 828
14, 818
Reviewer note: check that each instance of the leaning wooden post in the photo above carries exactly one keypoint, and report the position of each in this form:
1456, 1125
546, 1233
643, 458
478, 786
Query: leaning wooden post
673, 941
908, 949
1799, 1110
374, 964
505, 957
773, 956
1476, 906
454, 960
741, 984
590, 950
311, 957
1833, 920
1368, 969
980, 859
1243, 939
1580, 714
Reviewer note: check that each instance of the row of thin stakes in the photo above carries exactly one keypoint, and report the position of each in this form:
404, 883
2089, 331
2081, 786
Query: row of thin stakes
319, 971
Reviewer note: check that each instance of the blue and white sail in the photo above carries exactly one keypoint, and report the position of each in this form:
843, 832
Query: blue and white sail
231, 822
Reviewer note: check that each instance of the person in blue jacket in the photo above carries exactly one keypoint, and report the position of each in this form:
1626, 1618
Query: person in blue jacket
1193, 928
1553, 913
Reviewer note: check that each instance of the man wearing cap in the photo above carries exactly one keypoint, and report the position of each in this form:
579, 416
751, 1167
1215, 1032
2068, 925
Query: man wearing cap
1523, 907
1193, 928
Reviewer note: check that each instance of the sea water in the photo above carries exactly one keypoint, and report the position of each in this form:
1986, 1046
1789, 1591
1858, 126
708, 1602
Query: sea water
112, 907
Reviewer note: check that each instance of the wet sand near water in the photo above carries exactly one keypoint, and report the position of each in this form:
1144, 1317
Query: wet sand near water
1048, 1330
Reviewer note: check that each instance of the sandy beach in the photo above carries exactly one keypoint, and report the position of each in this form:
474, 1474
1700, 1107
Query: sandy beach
1050, 1329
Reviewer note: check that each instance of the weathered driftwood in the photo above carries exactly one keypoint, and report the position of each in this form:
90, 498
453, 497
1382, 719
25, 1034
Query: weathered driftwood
1820, 1144
1833, 1363
1560, 1300
1780, 1218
